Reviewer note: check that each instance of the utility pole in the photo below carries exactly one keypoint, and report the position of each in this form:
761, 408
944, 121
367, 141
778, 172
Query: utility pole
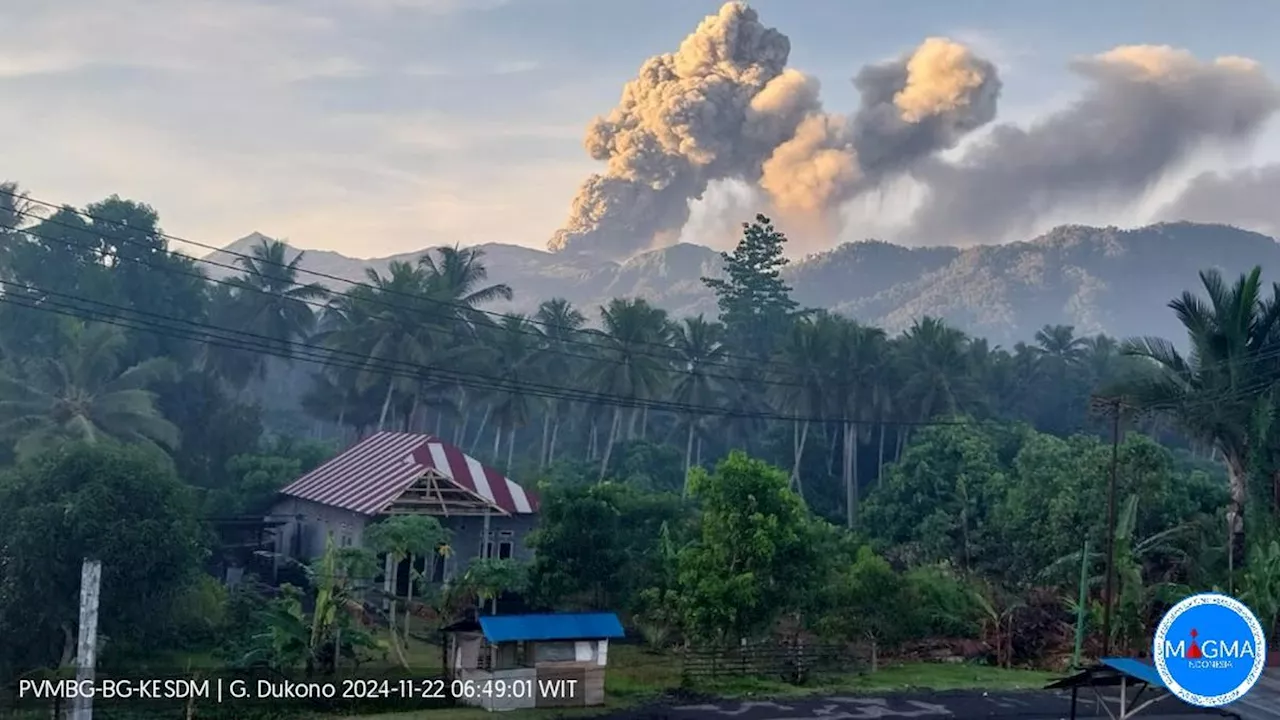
1111, 528
87, 638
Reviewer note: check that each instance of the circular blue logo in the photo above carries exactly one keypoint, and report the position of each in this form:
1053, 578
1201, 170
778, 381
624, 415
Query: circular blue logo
1209, 650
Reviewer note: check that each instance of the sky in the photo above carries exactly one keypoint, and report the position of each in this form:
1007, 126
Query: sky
375, 127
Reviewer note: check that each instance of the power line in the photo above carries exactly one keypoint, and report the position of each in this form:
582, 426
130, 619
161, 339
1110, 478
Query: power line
567, 330
329, 357
669, 355
326, 357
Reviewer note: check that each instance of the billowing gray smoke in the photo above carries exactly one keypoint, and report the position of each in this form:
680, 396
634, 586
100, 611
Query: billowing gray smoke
725, 106
1147, 109
1246, 198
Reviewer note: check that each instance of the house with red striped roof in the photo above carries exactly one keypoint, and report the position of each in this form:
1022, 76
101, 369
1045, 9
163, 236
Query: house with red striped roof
399, 473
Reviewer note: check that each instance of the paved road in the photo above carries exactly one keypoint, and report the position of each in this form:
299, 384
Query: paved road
1263, 701
920, 706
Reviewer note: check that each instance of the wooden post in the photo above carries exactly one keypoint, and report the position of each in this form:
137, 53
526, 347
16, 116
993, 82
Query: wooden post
484, 535
87, 638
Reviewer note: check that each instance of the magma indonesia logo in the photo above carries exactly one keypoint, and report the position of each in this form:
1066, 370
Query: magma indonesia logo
1209, 650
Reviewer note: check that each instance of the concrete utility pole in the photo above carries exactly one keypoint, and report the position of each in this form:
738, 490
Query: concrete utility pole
87, 638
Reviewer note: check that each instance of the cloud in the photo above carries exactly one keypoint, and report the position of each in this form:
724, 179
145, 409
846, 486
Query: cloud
235, 115
434, 7
500, 67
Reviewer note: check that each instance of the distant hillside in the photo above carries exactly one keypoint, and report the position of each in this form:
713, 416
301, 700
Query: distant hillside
1098, 279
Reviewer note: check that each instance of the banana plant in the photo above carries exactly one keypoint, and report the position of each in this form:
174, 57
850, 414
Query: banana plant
1136, 590
1260, 587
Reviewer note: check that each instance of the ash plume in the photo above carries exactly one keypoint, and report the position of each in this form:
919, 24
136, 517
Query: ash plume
922, 103
678, 125
725, 107
1244, 198
1146, 110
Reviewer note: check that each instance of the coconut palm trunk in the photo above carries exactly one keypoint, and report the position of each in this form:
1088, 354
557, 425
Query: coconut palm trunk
849, 472
613, 436
800, 435
546, 440
880, 456
688, 455
555, 433
386, 404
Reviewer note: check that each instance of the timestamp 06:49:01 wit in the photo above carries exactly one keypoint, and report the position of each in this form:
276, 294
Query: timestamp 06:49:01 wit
513, 688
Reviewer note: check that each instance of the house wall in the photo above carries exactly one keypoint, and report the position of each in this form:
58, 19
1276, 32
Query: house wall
305, 534
465, 534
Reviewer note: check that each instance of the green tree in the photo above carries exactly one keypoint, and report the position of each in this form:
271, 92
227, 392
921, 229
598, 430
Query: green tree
516, 352
1215, 392
800, 390
145, 275
214, 426
867, 601
755, 302
754, 554
400, 538
596, 546
561, 325
275, 305
627, 368
489, 578
123, 506
84, 395
699, 348
932, 504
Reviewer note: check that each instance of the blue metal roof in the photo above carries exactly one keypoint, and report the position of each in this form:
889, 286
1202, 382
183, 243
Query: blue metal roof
1135, 669
557, 626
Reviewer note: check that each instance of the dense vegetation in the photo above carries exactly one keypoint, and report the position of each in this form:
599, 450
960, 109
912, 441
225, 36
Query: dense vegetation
775, 469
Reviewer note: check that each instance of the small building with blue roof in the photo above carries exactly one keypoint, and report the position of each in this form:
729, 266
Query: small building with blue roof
506, 662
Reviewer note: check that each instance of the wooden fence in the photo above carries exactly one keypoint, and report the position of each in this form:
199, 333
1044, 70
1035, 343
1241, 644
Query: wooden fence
794, 663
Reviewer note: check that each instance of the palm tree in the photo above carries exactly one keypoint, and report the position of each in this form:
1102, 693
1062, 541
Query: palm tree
625, 369
561, 323
699, 346
1215, 392
271, 301
83, 395
937, 378
513, 342
801, 391
859, 352
454, 285
378, 322
16, 212
1059, 344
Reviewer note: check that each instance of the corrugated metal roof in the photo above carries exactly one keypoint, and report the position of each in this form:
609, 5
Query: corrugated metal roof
370, 475
557, 626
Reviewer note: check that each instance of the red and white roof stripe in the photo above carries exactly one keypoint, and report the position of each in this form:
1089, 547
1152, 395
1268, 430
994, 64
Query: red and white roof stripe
370, 475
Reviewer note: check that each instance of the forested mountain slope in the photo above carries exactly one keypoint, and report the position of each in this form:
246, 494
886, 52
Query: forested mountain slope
1097, 279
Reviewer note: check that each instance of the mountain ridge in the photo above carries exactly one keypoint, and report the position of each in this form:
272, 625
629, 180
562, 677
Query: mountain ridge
1099, 279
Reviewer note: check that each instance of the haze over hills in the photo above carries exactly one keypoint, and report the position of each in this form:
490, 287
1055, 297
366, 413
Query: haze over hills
1097, 279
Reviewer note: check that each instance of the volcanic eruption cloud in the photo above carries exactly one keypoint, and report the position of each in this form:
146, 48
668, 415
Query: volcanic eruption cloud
724, 106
